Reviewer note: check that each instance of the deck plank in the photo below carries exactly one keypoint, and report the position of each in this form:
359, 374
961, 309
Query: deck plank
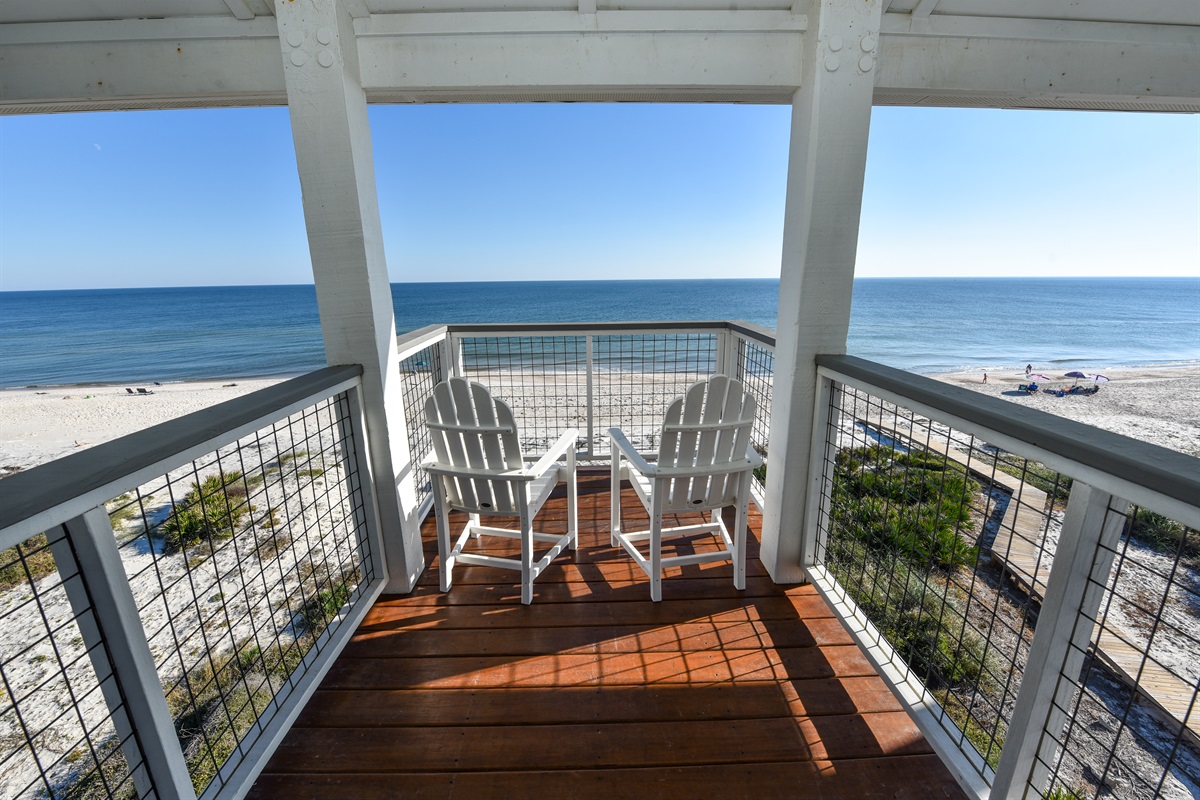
594, 691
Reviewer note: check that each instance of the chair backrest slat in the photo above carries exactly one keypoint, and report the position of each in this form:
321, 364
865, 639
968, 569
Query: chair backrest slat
709, 426
474, 431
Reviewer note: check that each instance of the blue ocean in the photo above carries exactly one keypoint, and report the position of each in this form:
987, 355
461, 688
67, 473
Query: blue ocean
923, 325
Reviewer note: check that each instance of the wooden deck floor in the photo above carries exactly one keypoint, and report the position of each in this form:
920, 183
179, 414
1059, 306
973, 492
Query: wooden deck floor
595, 692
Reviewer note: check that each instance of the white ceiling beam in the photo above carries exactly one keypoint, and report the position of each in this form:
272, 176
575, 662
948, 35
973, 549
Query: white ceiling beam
924, 8
1041, 30
662, 56
560, 63
138, 30
539, 22
239, 9
997, 72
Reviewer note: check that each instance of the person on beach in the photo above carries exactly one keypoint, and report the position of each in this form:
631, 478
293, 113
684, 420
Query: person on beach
985, 377
1028, 369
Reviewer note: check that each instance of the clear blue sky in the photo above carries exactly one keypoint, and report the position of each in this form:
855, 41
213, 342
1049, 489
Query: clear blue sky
469, 192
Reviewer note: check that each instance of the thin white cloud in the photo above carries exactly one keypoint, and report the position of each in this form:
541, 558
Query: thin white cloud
95, 145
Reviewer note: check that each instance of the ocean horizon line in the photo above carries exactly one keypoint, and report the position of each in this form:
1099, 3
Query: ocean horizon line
1030, 278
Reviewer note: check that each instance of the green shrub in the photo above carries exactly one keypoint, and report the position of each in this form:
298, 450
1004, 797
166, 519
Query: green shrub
910, 504
1164, 535
33, 555
211, 511
318, 611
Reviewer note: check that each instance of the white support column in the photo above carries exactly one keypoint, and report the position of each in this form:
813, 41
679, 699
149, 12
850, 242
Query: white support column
337, 177
831, 115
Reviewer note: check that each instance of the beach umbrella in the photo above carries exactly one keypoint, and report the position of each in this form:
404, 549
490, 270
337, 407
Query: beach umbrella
1097, 378
1075, 375
1036, 377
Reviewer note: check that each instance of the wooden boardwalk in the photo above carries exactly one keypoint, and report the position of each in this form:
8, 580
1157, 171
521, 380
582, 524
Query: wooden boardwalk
595, 692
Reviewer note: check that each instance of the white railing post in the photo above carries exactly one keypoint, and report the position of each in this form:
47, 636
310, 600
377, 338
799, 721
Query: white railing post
1074, 592
85, 551
449, 358
728, 355
823, 451
353, 435
591, 399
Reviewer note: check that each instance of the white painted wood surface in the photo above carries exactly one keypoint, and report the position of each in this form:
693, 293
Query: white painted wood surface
341, 209
831, 115
704, 464
477, 467
96, 54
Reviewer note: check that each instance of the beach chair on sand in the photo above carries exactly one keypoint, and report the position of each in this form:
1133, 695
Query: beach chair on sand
143, 391
704, 463
129, 390
476, 467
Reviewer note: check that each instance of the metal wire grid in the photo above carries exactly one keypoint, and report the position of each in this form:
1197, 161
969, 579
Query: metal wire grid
241, 563
1132, 720
636, 378
543, 379
756, 370
420, 372
58, 736
939, 538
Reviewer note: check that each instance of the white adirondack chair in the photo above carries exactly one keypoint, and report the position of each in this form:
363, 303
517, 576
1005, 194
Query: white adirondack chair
476, 466
704, 464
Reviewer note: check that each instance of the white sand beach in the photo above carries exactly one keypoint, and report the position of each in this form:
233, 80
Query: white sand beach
1158, 405
38, 424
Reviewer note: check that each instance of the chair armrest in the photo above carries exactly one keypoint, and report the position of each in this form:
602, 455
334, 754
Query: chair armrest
631, 455
434, 468
557, 451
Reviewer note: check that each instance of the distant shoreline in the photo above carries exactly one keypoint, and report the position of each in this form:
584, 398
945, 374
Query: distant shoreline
1158, 405
282, 376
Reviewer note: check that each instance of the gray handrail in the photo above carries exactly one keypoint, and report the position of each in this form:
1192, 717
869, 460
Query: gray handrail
27, 494
1168, 472
747, 329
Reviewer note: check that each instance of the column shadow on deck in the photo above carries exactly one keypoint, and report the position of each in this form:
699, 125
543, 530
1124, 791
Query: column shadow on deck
595, 691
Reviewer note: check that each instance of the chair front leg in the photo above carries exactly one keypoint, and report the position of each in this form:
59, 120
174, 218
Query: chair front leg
526, 551
614, 510
656, 515
739, 534
572, 501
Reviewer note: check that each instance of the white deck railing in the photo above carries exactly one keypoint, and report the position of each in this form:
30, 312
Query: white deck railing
1049, 643
172, 598
590, 376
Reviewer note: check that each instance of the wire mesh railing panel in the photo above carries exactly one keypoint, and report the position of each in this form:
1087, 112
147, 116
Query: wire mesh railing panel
543, 379
943, 542
59, 737
419, 373
241, 564
637, 376
756, 370
1132, 726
